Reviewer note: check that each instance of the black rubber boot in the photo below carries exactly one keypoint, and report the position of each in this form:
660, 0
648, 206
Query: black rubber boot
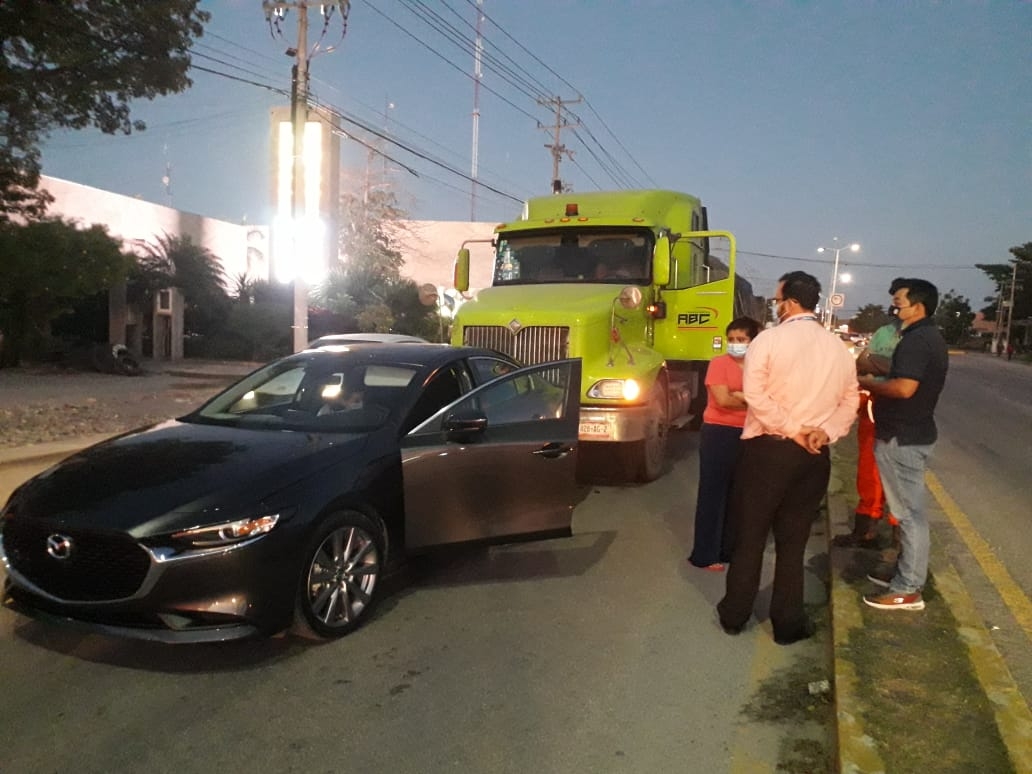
864, 534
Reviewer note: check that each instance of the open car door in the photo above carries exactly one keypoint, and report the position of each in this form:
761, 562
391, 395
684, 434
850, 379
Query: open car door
499, 462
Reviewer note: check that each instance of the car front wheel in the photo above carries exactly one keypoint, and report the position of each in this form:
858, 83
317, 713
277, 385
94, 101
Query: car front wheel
338, 585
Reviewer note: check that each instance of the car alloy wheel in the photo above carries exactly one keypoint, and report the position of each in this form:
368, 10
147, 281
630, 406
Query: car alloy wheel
339, 582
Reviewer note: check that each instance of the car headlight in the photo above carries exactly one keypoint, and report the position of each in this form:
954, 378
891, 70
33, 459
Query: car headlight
227, 533
615, 389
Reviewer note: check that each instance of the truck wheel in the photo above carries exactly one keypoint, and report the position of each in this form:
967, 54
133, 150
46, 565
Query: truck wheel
649, 455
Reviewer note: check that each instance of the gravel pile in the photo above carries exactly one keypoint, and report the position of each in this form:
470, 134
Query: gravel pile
33, 411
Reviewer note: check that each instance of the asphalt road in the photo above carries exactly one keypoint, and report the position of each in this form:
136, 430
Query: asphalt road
981, 463
596, 653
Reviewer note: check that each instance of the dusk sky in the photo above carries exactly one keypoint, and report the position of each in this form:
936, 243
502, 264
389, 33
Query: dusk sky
904, 126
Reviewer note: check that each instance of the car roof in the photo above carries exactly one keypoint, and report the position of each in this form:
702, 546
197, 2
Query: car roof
426, 354
366, 338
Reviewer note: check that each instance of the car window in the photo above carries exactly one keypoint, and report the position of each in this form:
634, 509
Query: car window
322, 394
278, 390
445, 386
529, 395
487, 368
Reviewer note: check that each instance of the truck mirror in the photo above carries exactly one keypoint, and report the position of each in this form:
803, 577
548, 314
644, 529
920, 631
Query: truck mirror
661, 262
630, 297
461, 277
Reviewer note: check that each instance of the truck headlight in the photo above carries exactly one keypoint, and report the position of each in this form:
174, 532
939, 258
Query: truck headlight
615, 389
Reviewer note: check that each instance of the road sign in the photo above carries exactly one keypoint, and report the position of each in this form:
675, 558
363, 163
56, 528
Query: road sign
837, 300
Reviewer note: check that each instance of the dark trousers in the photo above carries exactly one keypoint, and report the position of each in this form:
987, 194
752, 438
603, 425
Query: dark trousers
718, 455
777, 485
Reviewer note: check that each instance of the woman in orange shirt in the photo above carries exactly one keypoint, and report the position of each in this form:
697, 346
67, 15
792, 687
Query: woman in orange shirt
718, 447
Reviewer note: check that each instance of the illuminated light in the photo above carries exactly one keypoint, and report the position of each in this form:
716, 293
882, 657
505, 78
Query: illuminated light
284, 168
571, 209
657, 310
312, 156
298, 250
638, 220
281, 242
582, 219
311, 246
230, 532
615, 389
564, 220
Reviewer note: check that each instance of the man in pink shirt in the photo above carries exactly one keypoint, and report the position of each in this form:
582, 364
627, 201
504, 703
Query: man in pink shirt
801, 389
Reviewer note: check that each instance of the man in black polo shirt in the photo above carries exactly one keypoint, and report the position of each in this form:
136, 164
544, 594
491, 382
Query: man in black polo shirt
905, 434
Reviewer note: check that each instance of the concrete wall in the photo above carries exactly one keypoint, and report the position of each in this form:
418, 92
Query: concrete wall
242, 249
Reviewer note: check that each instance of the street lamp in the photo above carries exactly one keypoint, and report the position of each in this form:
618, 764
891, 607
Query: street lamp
854, 248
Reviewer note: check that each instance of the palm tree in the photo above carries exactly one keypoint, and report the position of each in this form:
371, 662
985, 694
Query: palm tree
177, 261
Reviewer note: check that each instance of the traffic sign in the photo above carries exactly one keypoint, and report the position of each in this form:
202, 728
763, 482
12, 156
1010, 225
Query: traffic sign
837, 300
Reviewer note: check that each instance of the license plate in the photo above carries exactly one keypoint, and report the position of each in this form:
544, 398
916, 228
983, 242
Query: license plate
594, 429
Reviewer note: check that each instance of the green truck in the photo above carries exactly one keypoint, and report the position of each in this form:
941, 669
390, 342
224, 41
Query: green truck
632, 282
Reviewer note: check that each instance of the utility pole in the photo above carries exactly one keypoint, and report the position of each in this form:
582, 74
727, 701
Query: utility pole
478, 52
1004, 314
274, 13
1010, 303
557, 148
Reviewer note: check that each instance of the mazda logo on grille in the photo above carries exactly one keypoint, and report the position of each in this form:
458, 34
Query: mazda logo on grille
59, 546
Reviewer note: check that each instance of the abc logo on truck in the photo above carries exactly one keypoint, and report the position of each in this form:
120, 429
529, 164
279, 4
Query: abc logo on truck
704, 317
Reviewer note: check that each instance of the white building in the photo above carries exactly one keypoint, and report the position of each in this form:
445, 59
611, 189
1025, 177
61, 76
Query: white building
428, 247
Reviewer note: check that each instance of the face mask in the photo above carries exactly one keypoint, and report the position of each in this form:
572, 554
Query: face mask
737, 350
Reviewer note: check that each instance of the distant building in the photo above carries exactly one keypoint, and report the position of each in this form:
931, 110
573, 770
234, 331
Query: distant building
427, 247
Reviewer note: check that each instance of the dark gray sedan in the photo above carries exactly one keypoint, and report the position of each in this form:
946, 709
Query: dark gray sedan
281, 501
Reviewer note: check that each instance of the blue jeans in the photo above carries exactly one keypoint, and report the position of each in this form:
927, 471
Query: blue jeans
902, 470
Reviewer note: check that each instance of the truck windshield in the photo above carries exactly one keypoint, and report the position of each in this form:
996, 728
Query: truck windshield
574, 255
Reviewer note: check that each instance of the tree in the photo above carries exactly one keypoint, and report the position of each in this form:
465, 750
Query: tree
177, 261
953, 315
45, 265
73, 65
1002, 274
869, 319
366, 290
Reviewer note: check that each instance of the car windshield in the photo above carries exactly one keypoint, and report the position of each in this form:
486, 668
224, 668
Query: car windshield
619, 256
334, 394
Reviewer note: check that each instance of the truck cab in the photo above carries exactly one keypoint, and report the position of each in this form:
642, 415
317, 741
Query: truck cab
631, 282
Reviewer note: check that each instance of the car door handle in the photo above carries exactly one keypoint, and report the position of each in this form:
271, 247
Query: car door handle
553, 450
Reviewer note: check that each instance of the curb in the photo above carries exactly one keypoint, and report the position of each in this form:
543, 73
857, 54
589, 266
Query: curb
857, 751
52, 451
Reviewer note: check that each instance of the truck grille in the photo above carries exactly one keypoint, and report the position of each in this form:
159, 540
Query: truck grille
530, 345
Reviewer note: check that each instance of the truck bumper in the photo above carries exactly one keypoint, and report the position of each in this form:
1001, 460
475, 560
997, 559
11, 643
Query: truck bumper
619, 425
